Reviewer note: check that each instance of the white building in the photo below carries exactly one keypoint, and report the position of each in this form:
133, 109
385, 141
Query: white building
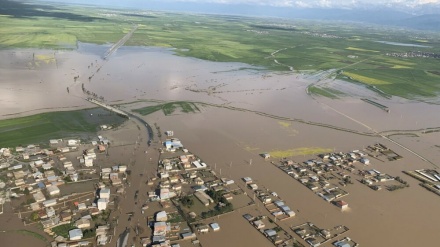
104, 193
161, 216
39, 197
215, 226
102, 204
75, 234
88, 162
72, 142
53, 190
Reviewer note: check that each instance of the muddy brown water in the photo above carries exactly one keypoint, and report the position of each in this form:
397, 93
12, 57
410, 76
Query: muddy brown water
230, 139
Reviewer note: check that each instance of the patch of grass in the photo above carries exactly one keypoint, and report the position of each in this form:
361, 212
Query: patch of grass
365, 79
299, 151
284, 124
169, 108
322, 92
359, 49
42, 127
33, 234
63, 230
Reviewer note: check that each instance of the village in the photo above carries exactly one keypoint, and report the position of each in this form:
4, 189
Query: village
328, 174
70, 188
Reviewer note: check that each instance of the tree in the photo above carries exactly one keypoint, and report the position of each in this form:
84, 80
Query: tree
34, 216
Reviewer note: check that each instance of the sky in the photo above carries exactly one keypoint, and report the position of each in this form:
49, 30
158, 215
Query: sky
320, 3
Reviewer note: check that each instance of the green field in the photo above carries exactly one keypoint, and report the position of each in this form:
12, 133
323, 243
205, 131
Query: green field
63, 230
307, 46
42, 127
169, 108
326, 92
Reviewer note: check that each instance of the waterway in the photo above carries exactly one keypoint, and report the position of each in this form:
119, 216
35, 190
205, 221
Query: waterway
403, 44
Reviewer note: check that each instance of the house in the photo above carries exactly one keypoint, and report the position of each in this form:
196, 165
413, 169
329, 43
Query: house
53, 190
53, 141
258, 224
183, 159
199, 165
25, 156
265, 155
199, 181
228, 196
365, 161
72, 142
82, 206
164, 194
253, 186
50, 212
50, 222
122, 168
215, 226
160, 228
82, 223
102, 204
102, 239
342, 204
67, 164
173, 143
342, 243
145, 242
49, 203
39, 196
104, 193
188, 235
270, 232
47, 166
88, 162
325, 233
101, 148
248, 217
161, 216
114, 178
203, 229
74, 177
65, 216
247, 180
75, 234
204, 198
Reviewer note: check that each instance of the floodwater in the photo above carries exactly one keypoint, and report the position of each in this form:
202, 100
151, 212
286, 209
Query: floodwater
32, 82
229, 140
402, 44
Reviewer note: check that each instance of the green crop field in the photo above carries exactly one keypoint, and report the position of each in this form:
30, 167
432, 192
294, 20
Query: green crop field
351, 50
42, 127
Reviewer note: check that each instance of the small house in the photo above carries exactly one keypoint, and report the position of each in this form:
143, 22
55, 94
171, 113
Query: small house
75, 234
215, 227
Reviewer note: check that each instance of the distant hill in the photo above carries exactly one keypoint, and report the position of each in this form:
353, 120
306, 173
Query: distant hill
423, 17
423, 22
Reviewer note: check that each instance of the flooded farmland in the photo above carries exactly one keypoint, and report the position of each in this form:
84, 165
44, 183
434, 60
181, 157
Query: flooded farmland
230, 132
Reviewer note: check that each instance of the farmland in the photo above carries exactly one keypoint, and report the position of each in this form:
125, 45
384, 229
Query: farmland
352, 51
45, 126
